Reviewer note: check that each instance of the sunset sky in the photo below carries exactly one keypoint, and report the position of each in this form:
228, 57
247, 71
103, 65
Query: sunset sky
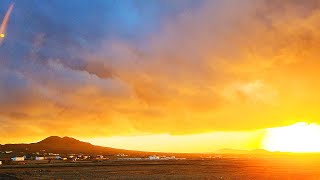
160, 75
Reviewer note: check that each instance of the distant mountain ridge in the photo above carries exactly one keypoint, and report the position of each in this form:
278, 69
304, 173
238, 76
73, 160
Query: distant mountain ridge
237, 151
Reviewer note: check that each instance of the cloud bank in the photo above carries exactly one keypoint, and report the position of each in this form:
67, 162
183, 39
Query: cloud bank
209, 66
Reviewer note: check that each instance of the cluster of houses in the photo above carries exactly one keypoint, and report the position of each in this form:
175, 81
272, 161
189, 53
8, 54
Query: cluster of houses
154, 157
38, 157
9, 157
71, 157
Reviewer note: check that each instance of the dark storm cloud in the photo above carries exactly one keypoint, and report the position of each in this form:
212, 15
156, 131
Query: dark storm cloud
44, 72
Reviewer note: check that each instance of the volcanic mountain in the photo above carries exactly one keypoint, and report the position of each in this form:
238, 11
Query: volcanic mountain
55, 144
68, 145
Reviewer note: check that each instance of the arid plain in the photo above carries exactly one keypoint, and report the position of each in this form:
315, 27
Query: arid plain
288, 167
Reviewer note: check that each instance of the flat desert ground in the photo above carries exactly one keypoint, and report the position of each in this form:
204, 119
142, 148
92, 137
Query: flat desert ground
223, 168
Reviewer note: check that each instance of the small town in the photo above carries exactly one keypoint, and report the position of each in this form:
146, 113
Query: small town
10, 158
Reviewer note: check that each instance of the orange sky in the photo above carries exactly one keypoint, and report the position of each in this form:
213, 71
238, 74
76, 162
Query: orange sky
220, 73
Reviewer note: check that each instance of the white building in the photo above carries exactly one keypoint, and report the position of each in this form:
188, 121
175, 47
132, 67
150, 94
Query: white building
122, 155
99, 157
85, 157
168, 158
18, 158
154, 157
132, 159
52, 157
38, 158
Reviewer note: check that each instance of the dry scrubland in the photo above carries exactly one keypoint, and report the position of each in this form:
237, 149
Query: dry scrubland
244, 168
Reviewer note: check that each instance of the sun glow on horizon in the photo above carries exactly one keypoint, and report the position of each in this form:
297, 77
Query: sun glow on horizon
299, 137
192, 143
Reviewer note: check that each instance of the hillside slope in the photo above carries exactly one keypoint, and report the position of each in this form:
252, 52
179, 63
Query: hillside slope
55, 144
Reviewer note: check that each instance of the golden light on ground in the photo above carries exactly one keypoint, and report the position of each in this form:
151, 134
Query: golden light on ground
299, 137
2, 35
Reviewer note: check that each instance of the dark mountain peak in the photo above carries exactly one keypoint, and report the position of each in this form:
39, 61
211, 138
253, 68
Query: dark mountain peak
60, 140
56, 144
50, 139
